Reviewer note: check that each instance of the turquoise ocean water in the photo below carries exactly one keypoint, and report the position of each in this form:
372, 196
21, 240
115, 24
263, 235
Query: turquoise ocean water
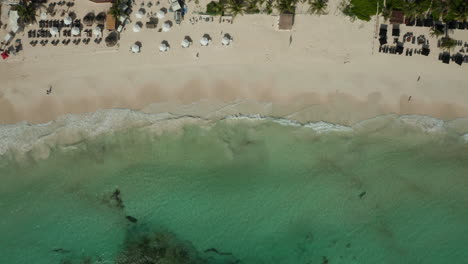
240, 191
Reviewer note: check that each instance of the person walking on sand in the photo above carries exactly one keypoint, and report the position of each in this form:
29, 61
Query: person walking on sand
49, 90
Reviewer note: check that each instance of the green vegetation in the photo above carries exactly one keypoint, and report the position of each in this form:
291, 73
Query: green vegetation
26, 12
239, 7
448, 43
435, 32
215, 8
446, 10
115, 8
318, 7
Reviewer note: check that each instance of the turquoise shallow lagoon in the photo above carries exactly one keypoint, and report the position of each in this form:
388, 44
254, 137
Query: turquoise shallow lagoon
249, 192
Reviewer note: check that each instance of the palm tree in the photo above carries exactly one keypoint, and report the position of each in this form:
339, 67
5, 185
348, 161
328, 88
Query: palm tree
318, 7
435, 32
448, 43
26, 12
115, 9
235, 7
286, 6
252, 7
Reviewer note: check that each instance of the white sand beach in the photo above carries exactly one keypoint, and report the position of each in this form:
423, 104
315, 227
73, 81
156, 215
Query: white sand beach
330, 71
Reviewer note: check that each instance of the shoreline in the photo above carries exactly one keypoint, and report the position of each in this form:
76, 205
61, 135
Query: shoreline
23, 141
328, 74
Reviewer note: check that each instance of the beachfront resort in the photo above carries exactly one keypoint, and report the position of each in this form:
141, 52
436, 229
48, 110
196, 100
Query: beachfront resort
406, 28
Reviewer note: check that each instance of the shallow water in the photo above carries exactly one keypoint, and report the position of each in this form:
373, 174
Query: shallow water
258, 191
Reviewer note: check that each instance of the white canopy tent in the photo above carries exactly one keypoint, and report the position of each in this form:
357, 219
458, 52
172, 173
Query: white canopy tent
139, 14
166, 27
14, 28
54, 31
135, 48
97, 31
185, 43
67, 20
161, 14
226, 40
13, 17
75, 31
163, 47
204, 41
8, 37
136, 28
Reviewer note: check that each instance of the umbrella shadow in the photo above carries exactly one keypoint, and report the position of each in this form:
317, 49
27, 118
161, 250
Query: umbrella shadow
207, 36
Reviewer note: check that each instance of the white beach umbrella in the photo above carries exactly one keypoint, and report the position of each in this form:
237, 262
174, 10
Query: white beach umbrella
166, 27
75, 31
43, 15
204, 41
97, 31
160, 14
225, 40
163, 47
185, 43
139, 14
54, 31
136, 28
67, 20
135, 48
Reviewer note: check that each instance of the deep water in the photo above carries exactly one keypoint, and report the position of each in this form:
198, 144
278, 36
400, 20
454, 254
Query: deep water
240, 192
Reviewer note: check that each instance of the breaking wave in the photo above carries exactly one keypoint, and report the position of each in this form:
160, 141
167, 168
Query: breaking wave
71, 129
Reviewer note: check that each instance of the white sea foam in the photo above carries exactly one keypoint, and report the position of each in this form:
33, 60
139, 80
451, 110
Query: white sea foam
426, 123
465, 138
71, 129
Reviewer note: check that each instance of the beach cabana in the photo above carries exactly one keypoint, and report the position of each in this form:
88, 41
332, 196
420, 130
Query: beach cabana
396, 30
383, 30
397, 17
166, 27
43, 16
111, 23
204, 41
226, 40
75, 31
54, 31
286, 21
185, 43
136, 28
97, 31
446, 57
67, 20
161, 14
163, 47
458, 58
135, 48
425, 50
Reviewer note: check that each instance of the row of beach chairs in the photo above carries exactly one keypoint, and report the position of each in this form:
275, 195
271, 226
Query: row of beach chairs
65, 42
58, 23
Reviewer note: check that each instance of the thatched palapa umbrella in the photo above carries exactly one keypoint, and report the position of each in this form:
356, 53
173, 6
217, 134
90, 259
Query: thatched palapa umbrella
88, 20
111, 39
101, 18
